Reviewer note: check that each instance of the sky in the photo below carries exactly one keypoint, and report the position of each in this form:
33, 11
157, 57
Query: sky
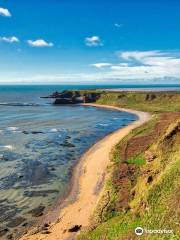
98, 41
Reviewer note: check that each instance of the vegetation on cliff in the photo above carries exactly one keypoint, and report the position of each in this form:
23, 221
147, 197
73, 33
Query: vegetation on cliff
150, 102
144, 187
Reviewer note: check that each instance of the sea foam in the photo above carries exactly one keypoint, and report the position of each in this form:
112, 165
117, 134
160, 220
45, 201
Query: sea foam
53, 130
12, 129
8, 147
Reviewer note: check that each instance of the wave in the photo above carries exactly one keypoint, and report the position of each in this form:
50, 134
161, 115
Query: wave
103, 124
14, 129
9, 147
17, 130
16, 104
53, 130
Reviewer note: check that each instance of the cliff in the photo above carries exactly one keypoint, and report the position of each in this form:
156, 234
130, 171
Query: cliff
144, 187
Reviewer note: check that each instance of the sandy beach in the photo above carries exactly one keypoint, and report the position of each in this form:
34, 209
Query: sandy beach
88, 181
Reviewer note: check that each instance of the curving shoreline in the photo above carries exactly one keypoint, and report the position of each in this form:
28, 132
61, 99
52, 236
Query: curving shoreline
87, 182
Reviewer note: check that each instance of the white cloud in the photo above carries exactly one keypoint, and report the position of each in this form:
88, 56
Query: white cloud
100, 65
144, 65
149, 64
118, 25
5, 12
9, 39
138, 55
39, 43
93, 41
123, 64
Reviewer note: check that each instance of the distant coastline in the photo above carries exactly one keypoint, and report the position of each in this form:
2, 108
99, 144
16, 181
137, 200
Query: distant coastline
144, 89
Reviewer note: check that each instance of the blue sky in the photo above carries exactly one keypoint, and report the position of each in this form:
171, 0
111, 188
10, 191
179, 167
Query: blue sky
90, 41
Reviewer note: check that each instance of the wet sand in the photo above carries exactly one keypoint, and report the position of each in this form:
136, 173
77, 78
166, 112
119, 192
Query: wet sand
87, 185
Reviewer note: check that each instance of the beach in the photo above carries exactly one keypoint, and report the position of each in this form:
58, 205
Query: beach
40, 146
87, 187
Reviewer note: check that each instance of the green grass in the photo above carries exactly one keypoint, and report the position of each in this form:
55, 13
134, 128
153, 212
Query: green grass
155, 205
138, 160
163, 102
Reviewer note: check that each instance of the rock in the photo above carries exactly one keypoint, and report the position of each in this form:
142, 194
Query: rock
150, 97
37, 132
53, 169
133, 193
173, 131
149, 156
44, 228
3, 231
67, 137
74, 97
147, 97
16, 222
24, 224
35, 172
46, 232
3, 158
75, 228
60, 101
42, 193
150, 179
20, 176
38, 211
46, 225
10, 236
121, 96
67, 144
25, 132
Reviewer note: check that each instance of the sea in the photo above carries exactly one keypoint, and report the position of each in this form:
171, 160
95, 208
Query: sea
39, 145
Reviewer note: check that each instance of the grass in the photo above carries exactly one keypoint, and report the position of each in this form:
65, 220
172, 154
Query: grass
137, 160
154, 204
162, 102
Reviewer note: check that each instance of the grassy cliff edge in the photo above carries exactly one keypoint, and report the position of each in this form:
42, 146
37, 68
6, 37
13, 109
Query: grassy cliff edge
143, 190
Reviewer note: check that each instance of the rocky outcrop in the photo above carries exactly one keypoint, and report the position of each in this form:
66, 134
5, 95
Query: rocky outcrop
63, 101
74, 97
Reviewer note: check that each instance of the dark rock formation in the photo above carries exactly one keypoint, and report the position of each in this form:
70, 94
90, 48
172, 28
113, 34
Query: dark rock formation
150, 97
63, 101
150, 179
3, 231
37, 132
67, 144
25, 132
10, 236
16, 222
75, 228
73, 97
37, 212
39, 193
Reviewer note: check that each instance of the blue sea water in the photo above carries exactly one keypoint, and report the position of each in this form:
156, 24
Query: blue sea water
40, 143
